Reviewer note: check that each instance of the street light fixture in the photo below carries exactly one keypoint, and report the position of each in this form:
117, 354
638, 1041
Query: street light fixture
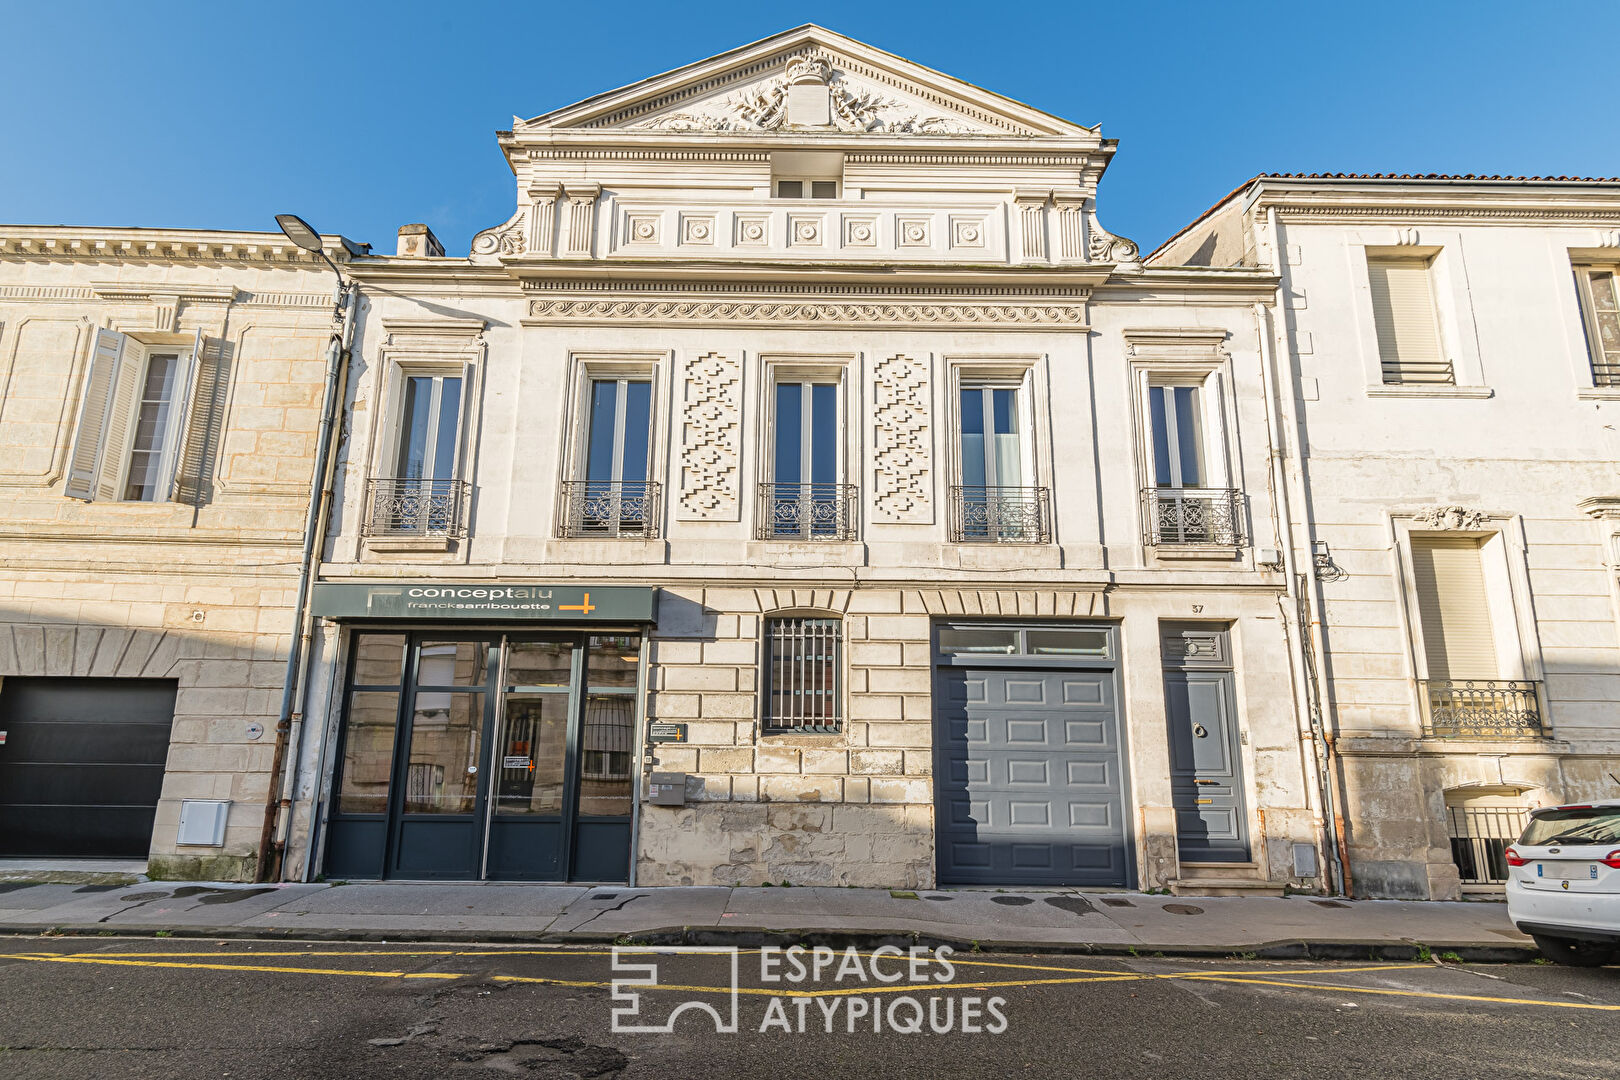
303, 235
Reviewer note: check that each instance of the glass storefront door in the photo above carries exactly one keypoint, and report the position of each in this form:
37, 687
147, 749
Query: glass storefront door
504, 757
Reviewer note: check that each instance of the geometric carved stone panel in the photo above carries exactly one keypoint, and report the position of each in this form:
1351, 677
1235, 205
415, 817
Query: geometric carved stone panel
902, 484
711, 439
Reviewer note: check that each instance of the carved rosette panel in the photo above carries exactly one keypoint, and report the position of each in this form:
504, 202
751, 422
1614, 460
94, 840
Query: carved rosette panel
711, 439
901, 476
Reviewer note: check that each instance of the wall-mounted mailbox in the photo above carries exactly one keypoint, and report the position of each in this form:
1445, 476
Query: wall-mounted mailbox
668, 789
202, 822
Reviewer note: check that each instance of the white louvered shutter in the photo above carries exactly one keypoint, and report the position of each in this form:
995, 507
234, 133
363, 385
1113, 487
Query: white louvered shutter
1455, 614
125, 400
1408, 332
174, 437
91, 436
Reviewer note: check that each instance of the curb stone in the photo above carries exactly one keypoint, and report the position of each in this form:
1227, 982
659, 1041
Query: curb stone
750, 937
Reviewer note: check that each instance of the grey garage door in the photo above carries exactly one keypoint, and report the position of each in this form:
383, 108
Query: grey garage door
82, 765
1029, 790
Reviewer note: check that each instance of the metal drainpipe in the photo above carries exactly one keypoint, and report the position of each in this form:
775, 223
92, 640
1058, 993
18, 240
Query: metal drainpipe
320, 487
1296, 645
1270, 346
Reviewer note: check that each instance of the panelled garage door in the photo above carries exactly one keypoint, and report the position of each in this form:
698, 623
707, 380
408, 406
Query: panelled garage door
1030, 789
82, 765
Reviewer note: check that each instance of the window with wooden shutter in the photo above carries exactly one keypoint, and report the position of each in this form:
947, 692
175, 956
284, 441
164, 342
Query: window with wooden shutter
1409, 348
88, 441
1454, 613
132, 420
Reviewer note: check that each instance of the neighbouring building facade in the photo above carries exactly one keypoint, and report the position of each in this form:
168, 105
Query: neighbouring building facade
159, 392
802, 485
1454, 406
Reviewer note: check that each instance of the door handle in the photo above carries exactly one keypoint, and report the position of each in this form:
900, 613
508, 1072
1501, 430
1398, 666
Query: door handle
1206, 781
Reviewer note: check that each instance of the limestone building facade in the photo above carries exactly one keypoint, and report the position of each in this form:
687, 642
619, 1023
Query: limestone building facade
1452, 344
803, 450
159, 392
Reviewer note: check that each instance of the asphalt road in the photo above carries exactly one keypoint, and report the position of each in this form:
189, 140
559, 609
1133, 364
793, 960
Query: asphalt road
148, 1008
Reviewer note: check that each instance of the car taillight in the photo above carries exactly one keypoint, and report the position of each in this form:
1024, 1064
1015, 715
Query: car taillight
1515, 859
1611, 860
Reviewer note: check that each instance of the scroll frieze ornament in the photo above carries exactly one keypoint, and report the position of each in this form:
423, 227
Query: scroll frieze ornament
1451, 518
711, 439
854, 107
900, 463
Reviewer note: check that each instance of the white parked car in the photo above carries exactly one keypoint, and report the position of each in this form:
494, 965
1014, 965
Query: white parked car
1563, 884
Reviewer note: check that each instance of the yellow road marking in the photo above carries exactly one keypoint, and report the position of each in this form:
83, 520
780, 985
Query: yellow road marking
1082, 975
1412, 993
246, 967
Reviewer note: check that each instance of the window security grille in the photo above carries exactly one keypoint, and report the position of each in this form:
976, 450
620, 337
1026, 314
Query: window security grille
1479, 840
801, 675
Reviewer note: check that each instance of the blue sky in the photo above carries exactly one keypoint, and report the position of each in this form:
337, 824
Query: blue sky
362, 117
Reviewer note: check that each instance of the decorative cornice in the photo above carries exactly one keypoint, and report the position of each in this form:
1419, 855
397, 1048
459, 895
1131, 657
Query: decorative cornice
45, 292
907, 315
1601, 507
28, 242
140, 292
553, 153
734, 290
1603, 217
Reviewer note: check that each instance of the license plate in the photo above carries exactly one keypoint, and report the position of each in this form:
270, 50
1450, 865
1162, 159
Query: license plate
1567, 871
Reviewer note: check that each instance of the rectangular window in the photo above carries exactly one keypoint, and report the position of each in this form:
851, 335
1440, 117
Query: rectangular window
1453, 610
1404, 317
802, 684
422, 493
995, 500
805, 497
1176, 413
615, 496
429, 428
132, 420
1600, 311
811, 189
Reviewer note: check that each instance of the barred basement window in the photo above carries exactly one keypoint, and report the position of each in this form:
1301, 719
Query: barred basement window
802, 687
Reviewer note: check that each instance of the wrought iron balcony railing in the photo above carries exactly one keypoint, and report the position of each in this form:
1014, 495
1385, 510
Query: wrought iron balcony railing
407, 506
1192, 516
601, 508
1482, 709
1605, 373
1016, 515
806, 511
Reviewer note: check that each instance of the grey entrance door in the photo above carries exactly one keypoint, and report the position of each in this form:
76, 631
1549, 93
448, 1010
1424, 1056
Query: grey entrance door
1206, 766
1029, 789
82, 765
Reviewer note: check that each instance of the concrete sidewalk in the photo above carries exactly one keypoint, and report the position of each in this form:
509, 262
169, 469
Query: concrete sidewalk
1043, 920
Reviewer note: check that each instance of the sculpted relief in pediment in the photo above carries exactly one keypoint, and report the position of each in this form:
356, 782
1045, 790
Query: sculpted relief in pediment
813, 92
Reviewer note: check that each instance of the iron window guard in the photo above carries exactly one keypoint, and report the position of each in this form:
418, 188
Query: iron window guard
1018, 515
410, 506
1482, 709
806, 511
603, 508
1192, 516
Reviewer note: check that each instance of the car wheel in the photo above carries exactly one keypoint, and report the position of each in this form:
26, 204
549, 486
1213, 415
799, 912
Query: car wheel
1575, 953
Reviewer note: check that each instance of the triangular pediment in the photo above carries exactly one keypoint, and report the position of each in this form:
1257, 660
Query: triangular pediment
774, 84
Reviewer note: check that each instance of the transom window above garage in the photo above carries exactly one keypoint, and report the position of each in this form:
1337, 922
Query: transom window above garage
1047, 641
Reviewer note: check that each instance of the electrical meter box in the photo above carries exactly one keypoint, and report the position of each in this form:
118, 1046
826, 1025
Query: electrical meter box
668, 789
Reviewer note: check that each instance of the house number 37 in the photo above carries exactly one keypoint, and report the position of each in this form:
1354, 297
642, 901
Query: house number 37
1198, 609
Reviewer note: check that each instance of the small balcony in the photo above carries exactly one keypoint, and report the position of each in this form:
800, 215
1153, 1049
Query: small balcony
1482, 709
399, 506
806, 511
1174, 516
1009, 515
595, 508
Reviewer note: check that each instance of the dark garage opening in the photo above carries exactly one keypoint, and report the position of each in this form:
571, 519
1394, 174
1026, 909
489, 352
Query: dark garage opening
82, 764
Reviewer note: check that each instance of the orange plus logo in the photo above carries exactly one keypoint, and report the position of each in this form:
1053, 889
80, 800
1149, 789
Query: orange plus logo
585, 607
